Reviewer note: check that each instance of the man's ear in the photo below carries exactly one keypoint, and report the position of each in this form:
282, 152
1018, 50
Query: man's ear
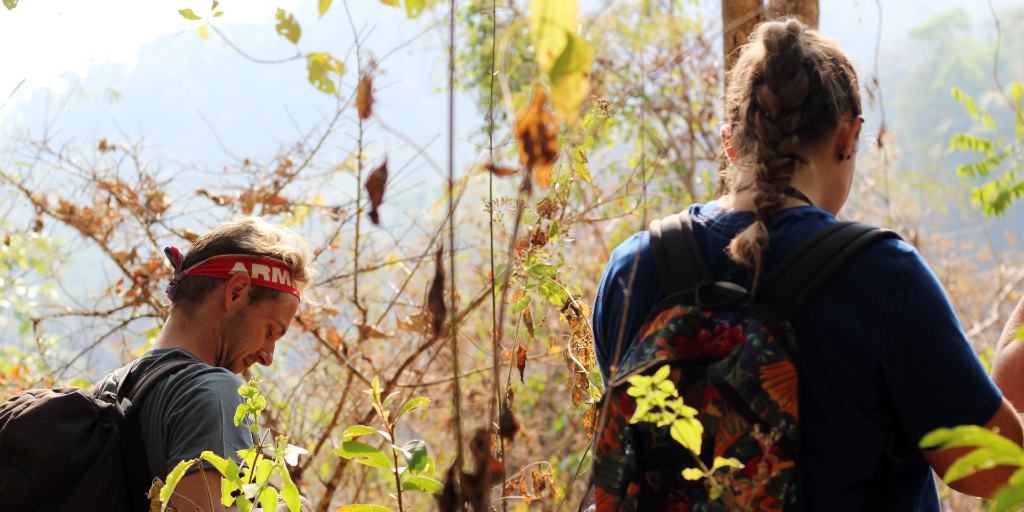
236, 293
726, 133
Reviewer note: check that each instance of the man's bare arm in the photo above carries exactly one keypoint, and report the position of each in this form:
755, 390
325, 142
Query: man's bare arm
1008, 367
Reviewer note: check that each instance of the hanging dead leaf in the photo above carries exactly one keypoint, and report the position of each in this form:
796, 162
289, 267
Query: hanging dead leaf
521, 361
537, 132
105, 146
590, 421
218, 200
435, 297
580, 388
528, 318
420, 322
364, 96
539, 237
333, 338
516, 295
513, 485
510, 397
540, 481
500, 171
508, 425
375, 187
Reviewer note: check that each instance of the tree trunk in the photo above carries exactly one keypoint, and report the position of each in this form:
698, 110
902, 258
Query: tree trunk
738, 20
804, 10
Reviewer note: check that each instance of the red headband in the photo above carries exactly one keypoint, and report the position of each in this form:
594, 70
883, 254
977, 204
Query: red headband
266, 272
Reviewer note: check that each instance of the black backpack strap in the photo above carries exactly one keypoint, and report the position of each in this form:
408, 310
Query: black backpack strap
677, 252
815, 262
131, 394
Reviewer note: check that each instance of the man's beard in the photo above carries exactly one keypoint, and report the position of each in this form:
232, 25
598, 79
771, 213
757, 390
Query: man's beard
233, 336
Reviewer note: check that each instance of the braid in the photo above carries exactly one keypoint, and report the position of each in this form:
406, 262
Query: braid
785, 93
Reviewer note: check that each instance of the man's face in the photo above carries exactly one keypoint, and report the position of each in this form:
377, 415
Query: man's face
252, 332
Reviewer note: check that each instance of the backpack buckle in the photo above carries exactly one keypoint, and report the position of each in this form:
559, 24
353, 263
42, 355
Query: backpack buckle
718, 294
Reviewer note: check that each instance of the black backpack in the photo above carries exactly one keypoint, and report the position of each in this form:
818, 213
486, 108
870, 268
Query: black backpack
64, 449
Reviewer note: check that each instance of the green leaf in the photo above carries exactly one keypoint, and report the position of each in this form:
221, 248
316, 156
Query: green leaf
967, 435
248, 392
287, 26
393, 3
227, 489
363, 454
721, 462
570, 84
414, 8
185, 13
321, 66
218, 14
243, 504
324, 5
553, 293
582, 171
422, 484
263, 473
289, 492
693, 474
172, 480
360, 430
419, 403
687, 432
363, 508
521, 305
661, 375
226, 467
10, 4
551, 22
268, 498
415, 452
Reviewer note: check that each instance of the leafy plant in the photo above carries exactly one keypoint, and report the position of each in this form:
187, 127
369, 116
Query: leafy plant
990, 450
417, 472
658, 401
252, 480
998, 154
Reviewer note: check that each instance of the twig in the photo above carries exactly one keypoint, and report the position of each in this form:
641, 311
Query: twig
250, 57
12, 93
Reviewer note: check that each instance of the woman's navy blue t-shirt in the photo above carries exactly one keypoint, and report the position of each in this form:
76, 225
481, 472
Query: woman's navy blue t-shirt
880, 348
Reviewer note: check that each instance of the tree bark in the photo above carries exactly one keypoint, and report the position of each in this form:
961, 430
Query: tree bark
739, 17
804, 10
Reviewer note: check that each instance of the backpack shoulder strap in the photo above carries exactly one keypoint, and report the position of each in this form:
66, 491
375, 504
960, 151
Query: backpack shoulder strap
133, 444
814, 263
677, 252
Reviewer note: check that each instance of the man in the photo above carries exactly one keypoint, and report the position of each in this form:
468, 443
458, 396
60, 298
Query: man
233, 295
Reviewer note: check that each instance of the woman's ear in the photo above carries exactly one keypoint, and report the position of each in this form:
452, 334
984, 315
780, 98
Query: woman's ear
846, 137
730, 152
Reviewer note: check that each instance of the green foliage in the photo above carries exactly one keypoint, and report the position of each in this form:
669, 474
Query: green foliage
996, 155
188, 14
321, 66
415, 475
252, 479
990, 450
658, 402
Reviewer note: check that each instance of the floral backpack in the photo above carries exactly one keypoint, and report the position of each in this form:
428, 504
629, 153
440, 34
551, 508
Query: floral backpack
733, 364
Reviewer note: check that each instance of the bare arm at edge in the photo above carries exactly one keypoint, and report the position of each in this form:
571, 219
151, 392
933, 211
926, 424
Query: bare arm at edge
982, 484
191, 494
1008, 367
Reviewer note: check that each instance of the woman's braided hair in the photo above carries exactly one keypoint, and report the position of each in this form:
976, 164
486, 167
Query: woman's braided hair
787, 92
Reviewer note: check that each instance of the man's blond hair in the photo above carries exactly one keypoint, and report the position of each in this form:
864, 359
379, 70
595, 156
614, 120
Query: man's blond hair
250, 235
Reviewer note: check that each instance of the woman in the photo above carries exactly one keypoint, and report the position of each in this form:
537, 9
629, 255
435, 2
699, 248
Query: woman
881, 350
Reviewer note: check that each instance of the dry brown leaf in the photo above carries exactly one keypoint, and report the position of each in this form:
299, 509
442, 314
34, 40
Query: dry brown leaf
521, 361
420, 322
333, 338
516, 295
580, 385
218, 200
435, 297
510, 397
590, 421
500, 171
374, 185
369, 332
528, 318
154, 495
364, 96
547, 208
537, 132
539, 237
540, 481
508, 425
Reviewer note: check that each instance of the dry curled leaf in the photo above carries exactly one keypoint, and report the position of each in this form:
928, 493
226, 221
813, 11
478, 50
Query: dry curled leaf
590, 421
521, 361
105, 146
547, 208
537, 132
513, 484
510, 397
500, 171
540, 481
374, 186
508, 425
528, 318
369, 332
154, 495
364, 96
435, 297
516, 295
539, 237
420, 322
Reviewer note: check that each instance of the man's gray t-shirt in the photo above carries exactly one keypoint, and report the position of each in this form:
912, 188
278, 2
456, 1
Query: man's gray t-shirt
189, 412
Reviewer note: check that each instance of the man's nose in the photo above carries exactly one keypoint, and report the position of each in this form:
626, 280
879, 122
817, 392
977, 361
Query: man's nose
265, 356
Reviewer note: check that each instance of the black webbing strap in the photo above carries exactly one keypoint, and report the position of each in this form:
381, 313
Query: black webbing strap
677, 252
815, 262
131, 394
